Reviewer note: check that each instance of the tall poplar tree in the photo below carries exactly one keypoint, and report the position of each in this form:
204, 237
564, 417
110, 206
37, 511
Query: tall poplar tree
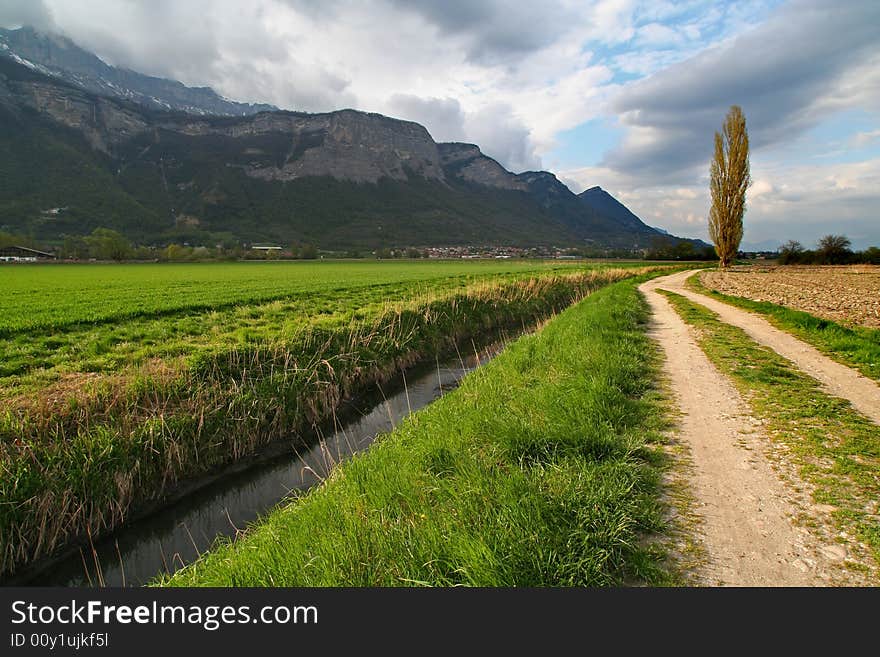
729, 179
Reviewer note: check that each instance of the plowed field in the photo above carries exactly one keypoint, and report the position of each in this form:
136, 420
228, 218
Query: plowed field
846, 294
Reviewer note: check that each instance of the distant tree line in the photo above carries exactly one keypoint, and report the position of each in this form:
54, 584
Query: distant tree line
107, 244
664, 248
830, 250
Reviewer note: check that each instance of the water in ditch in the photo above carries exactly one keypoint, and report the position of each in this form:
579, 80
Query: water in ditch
170, 538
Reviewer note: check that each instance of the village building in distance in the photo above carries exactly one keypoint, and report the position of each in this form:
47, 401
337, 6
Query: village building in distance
23, 254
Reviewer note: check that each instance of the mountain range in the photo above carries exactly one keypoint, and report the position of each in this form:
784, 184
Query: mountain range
84, 145
60, 57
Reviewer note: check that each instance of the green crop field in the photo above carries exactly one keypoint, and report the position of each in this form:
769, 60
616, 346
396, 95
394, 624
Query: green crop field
118, 382
101, 318
41, 297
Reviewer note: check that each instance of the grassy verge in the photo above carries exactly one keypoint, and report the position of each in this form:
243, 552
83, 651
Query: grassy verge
543, 468
83, 462
835, 449
858, 347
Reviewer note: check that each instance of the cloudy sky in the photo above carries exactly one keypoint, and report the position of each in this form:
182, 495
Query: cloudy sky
625, 94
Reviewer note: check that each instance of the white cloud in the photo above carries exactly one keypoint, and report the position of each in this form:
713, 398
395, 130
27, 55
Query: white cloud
612, 21
495, 128
503, 136
761, 187
443, 117
784, 202
787, 74
657, 34
17, 13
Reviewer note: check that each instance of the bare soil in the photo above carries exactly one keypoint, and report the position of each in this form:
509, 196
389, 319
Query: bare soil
746, 510
847, 294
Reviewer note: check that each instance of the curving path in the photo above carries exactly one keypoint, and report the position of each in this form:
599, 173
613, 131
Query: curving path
746, 508
837, 380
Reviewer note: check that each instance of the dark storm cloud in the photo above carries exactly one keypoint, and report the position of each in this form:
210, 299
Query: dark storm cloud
15, 13
219, 43
493, 29
785, 74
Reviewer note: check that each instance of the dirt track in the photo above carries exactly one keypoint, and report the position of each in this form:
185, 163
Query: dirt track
838, 380
746, 509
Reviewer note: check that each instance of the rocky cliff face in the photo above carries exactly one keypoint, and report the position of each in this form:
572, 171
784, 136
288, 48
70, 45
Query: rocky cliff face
466, 162
346, 145
103, 122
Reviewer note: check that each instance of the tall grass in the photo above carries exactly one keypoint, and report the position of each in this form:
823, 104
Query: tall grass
83, 462
539, 470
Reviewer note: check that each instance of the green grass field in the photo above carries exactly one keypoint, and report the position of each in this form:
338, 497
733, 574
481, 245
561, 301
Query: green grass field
39, 297
57, 320
106, 406
542, 469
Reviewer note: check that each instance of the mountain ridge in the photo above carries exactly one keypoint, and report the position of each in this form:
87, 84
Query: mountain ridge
343, 178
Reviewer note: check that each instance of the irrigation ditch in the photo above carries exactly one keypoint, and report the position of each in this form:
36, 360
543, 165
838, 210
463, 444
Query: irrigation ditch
189, 521
163, 465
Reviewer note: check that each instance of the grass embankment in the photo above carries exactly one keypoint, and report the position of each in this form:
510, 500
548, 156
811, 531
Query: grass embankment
541, 469
83, 462
834, 448
857, 346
